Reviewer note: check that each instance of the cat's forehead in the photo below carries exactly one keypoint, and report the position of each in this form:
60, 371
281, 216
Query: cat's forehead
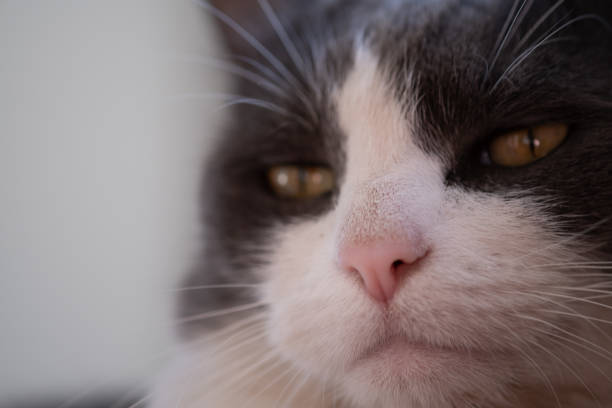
379, 126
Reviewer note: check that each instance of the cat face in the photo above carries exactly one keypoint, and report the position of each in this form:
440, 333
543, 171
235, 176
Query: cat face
420, 191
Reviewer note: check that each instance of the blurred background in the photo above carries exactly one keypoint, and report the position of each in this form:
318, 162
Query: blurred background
103, 127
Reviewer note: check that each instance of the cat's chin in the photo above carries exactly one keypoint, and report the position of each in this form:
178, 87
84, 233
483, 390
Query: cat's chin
406, 358
399, 370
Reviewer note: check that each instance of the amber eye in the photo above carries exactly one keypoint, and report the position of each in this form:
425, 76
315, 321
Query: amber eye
521, 147
300, 182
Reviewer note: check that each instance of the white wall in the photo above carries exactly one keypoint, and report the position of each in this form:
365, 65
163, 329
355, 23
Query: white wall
99, 163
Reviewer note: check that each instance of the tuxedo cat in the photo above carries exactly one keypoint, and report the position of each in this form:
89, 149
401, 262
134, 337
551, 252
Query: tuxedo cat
409, 206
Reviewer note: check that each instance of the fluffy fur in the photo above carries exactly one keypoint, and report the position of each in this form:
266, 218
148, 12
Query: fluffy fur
509, 303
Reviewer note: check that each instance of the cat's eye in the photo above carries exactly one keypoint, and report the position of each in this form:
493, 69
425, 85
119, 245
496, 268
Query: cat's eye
524, 146
300, 182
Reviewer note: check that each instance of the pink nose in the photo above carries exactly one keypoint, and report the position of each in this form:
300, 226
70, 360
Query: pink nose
380, 265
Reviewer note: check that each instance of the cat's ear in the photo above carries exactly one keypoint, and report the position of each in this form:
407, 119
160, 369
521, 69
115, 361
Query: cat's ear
238, 19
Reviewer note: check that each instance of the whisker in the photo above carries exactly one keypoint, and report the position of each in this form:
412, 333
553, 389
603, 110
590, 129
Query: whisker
282, 34
569, 368
206, 95
272, 75
292, 50
272, 382
240, 345
323, 396
566, 240
222, 286
581, 289
593, 319
510, 29
256, 323
556, 327
223, 312
504, 31
297, 389
237, 326
255, 364
237, 70
541, 43
602, 268
250, 39
235, 100
530, 360
141, 401
602, 280
576, 264
537, 25
573, 298
576, 343
122, 401
595, 366
293, 378
257, 103
597, 297
571, 310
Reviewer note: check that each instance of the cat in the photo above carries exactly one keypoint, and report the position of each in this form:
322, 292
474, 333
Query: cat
409, 206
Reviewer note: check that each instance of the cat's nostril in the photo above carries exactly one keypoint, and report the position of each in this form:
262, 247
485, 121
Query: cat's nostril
379, 265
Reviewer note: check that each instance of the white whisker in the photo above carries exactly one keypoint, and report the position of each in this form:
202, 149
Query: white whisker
250, 39
255, 364
576, 264
574, 342
237, 326
504, 31
563, 242
237, 70
571, 310
234, 100
296, 389
222, 286
263, 69
141, 401
537, 25
282, 34
573, 298
276, 379
257, 103
223, 312
596, 297
291, 380
582, 357
593, 319
539, 44
260, 334
510, 29
581, 289
575, 336
530, 360
568, 367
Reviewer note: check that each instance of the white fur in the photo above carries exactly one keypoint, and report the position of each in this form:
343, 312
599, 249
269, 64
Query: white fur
482, 279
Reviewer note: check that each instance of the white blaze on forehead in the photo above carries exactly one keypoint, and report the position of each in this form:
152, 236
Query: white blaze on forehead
378, 127
390, 184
